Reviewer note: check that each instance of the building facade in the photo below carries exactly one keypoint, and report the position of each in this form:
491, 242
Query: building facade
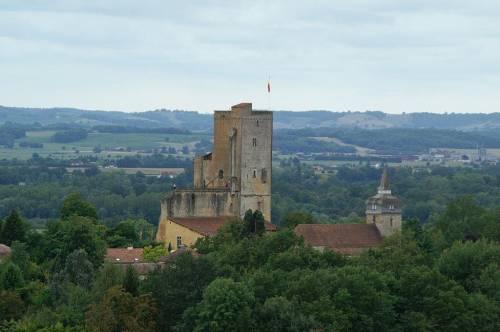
234, 177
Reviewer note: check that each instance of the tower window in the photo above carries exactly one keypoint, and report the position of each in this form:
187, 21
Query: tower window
254, 141
373, 219
254, 173
390, 221
391, 207
264, 175
374, 206
221, 174
257, 123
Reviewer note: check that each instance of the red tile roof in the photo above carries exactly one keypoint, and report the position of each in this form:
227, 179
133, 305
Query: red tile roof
124, 255
209, 225
350, 239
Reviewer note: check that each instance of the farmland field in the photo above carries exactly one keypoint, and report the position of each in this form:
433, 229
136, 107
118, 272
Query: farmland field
113, 145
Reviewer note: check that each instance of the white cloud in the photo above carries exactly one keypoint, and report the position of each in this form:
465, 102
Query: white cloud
362, 54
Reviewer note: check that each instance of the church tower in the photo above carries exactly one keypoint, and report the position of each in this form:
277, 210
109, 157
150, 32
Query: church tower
384, 209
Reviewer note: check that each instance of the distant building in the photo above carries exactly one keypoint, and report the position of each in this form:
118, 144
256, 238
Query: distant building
232, 179
383, 218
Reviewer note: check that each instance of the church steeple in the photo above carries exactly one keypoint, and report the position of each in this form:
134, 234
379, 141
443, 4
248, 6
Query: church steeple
383, 188
384, 209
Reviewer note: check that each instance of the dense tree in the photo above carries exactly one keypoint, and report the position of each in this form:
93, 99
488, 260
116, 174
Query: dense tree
108, 276
131, 281
75, 205
154, 253
11, 277
226, 306
14, 229
11, 306
254, 222
292, 219
120, 311
178, 286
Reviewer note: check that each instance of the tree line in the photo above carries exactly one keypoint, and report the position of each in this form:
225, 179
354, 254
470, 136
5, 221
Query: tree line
442, 276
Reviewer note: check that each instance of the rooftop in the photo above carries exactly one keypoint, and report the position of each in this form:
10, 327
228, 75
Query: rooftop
209, 225
124, 255
350, 239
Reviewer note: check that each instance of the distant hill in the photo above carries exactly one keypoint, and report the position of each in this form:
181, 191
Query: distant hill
282, 119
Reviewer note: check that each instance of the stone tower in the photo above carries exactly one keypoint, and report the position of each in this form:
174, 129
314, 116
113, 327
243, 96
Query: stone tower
241, 158
235, 176
384, 209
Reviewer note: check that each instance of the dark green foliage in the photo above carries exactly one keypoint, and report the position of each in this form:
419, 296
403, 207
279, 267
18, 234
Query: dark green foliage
120, 311
254, 222
292, 219
112, 193
178, 287
64, 237
13, 229
71, 135
11, 277
78, 269
11, 306
465, 262
154, 160
226, 306
131, 281
75, 205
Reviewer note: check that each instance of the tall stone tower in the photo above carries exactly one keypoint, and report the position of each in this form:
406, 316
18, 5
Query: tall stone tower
233, 178
384, 209
241, 158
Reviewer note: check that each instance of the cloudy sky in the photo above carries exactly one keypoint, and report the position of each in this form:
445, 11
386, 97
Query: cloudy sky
396, 56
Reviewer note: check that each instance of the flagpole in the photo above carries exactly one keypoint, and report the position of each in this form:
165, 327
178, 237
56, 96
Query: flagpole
269, 93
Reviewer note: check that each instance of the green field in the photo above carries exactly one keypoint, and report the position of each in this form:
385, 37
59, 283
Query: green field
111, 143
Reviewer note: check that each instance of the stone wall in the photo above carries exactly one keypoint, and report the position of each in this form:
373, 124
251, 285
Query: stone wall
206, 203
387, 223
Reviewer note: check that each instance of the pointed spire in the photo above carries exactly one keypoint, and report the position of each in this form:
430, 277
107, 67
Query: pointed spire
384, 181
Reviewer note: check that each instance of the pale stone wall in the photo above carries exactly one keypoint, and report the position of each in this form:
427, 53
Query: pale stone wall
387, 223
168, 232
256, 160
206, 203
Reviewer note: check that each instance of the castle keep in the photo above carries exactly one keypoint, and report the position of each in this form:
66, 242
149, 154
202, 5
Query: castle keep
234, 177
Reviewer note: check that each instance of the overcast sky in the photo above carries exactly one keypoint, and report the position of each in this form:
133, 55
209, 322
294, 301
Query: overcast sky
395, 56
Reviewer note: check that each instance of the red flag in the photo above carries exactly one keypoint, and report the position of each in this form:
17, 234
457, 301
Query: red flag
268, 87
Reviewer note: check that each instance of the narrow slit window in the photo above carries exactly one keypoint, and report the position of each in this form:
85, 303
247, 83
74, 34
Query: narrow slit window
254, 173
264, 175
254, 141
